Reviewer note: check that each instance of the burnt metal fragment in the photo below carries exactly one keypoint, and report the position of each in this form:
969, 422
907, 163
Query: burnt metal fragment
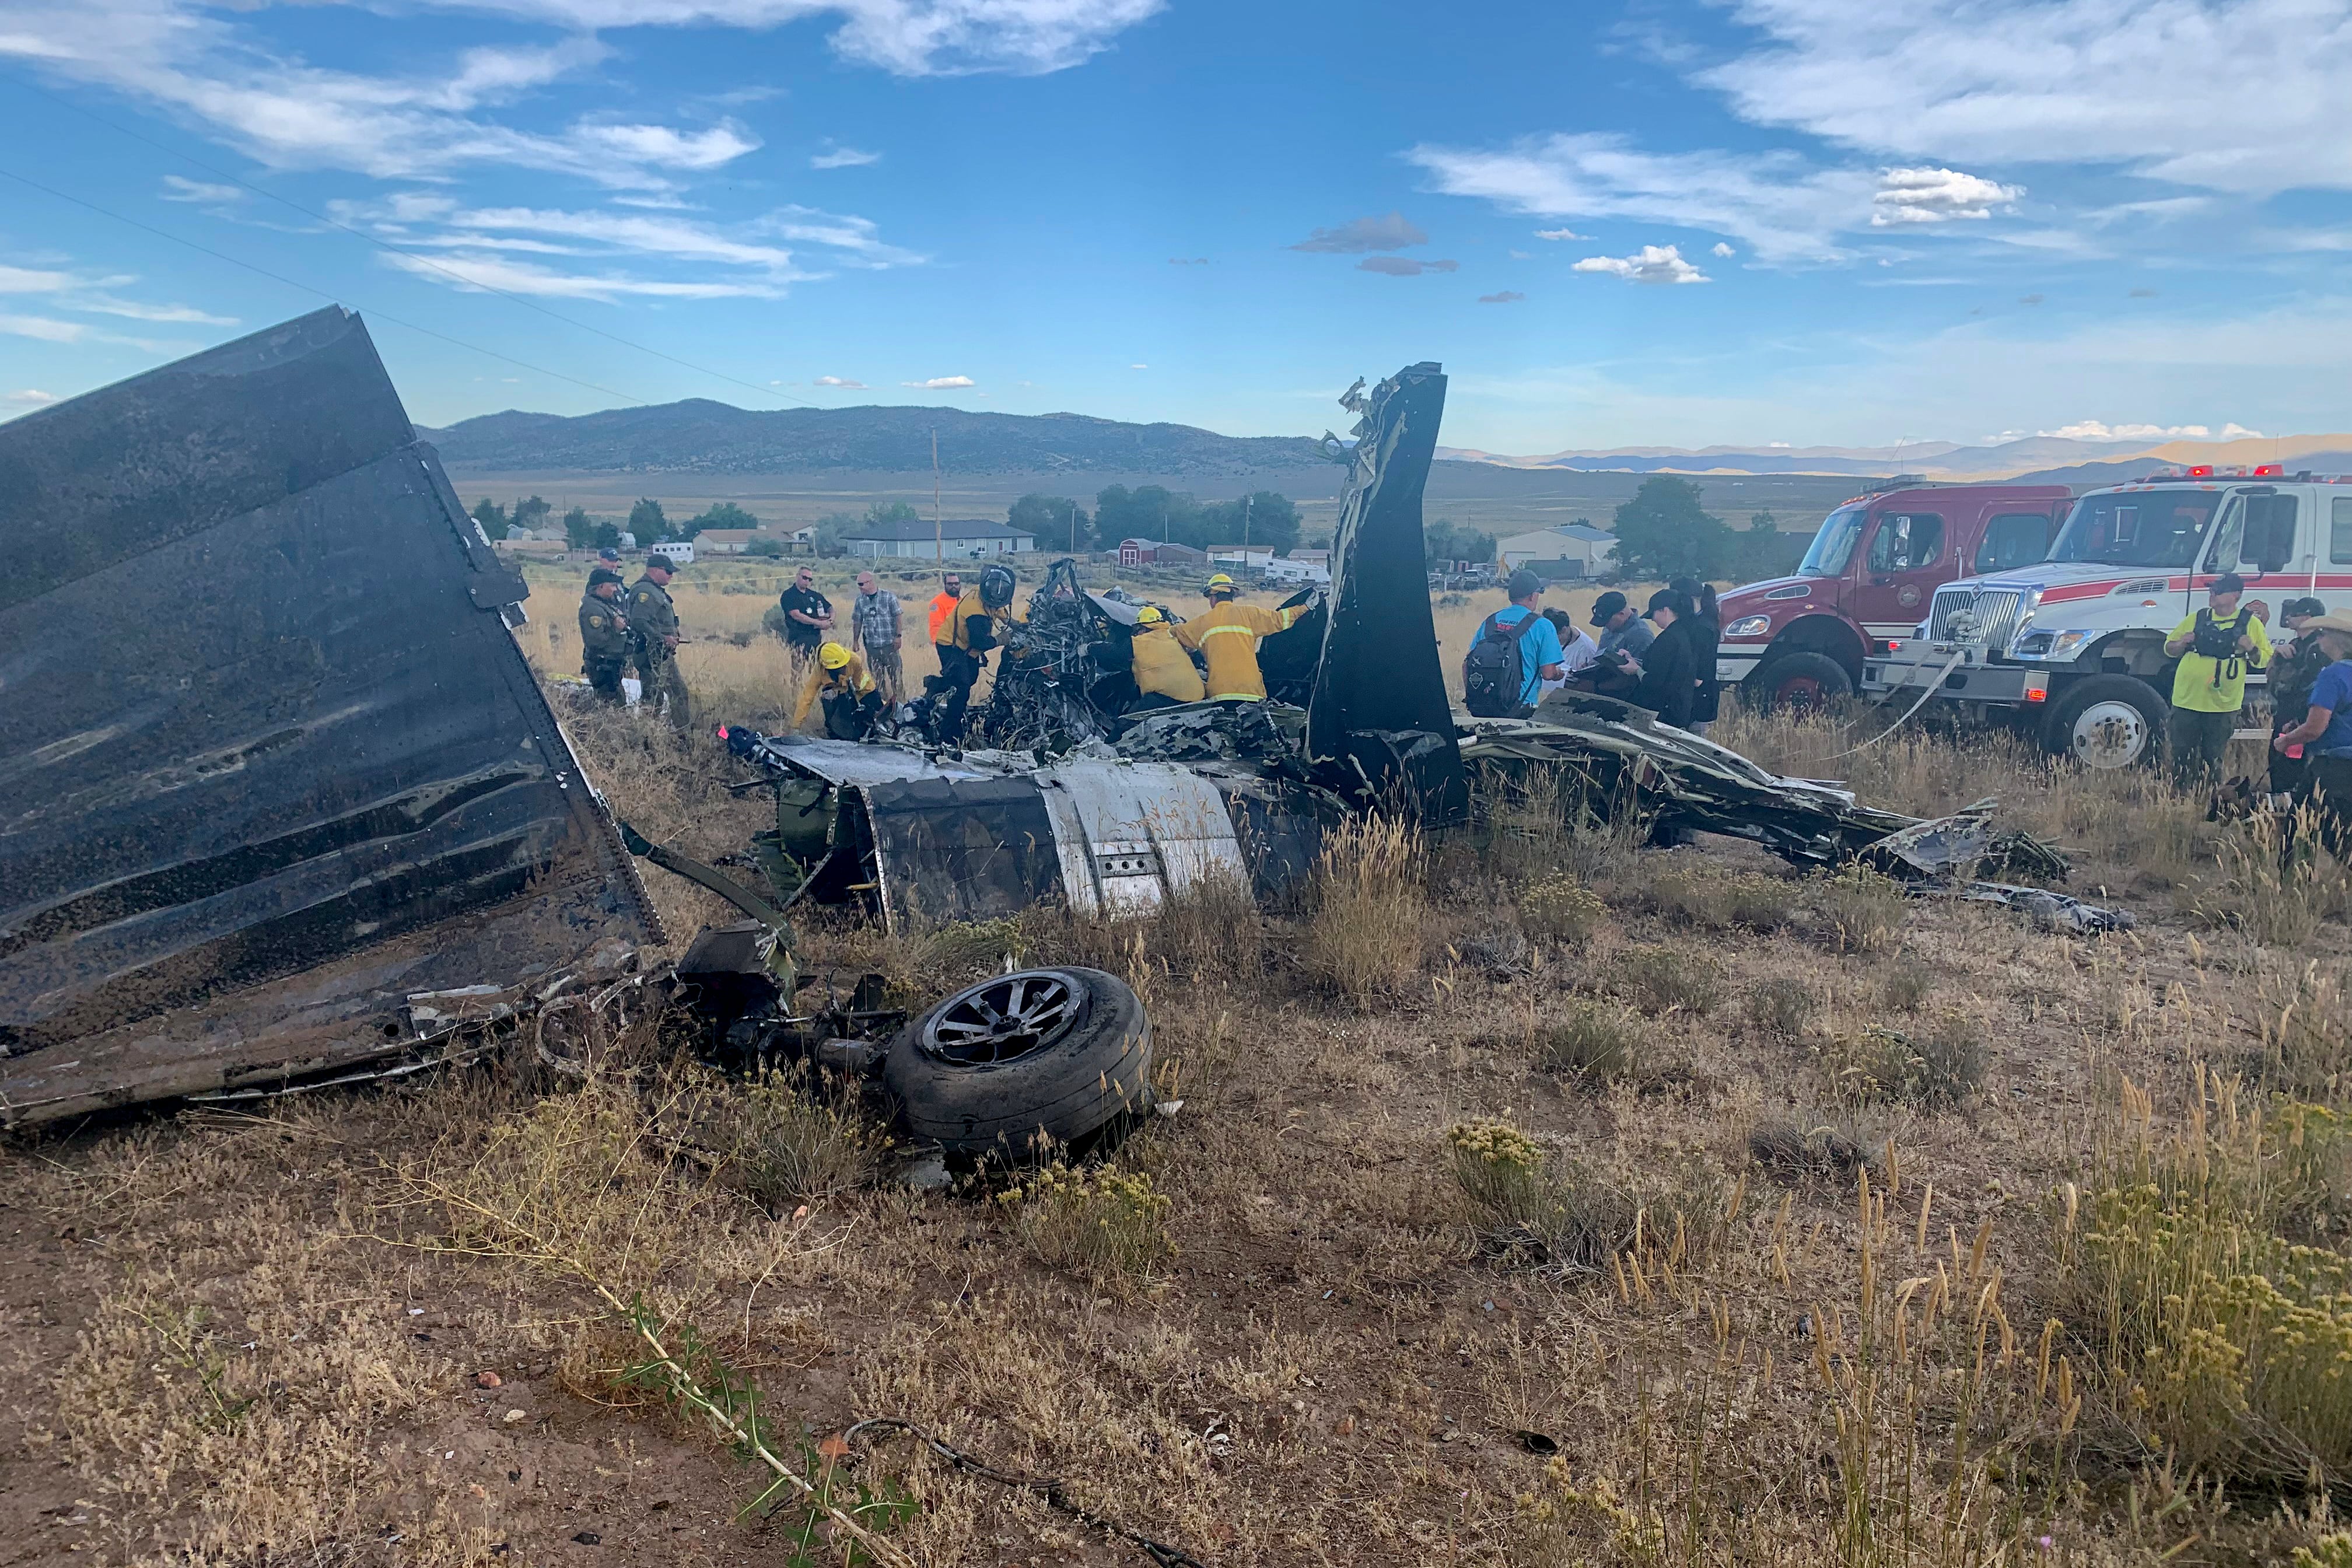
281, 800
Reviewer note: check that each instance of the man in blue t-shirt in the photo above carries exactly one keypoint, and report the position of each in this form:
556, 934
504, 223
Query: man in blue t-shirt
2325, 736
1542, 658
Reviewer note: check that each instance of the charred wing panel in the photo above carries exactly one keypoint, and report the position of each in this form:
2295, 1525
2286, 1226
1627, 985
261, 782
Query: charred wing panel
1380, 704
275, 763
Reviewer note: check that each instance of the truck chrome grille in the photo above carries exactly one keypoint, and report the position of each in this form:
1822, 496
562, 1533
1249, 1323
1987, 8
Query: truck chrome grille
1986, 617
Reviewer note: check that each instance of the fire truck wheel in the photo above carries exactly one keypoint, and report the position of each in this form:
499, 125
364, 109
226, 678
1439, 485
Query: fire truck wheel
2107, 721
1051, 1057
1803, 682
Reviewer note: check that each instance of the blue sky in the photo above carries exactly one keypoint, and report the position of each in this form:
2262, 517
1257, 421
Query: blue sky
1801, 221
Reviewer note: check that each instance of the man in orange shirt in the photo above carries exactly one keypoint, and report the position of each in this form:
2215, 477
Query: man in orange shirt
943, 604
1227, 638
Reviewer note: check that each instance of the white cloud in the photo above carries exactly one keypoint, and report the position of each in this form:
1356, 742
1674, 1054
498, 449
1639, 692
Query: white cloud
1557, 234
1722, 250
30, 397
834, 157
1651, 264
1783, 208
1139, 367
44, 329
1393, 232
2234, 95
1404, 266
132, 309
2095, 430
663, 147
31, 281
1936, 195
940, 382
176, 189
481, 247
842, 381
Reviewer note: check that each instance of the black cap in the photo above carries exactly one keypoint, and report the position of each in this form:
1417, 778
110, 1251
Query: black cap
601, 577
1522, 583
2303, 607
1669, 599
1608, 605
658, 563
2227, 583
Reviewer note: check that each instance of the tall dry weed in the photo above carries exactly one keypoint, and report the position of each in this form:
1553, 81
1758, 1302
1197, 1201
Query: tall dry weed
1369, 929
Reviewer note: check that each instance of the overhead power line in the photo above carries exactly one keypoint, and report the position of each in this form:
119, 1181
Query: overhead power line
383, 244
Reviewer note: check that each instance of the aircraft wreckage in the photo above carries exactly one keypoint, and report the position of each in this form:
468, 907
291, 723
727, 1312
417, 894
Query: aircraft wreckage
284, 805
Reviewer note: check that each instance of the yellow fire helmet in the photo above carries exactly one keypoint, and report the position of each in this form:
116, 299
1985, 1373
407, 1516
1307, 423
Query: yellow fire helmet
833, 656
1149, 616
1220, 581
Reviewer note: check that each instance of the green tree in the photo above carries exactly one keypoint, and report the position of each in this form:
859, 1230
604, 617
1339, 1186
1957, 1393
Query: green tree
1263, 518
725, 514
492, 517
1148, 511
579, 529
1444, 540
1059, 522
831, 528
1664, 532
531, 513
765, 547
891, 511
607, 536
1763, 551
646, 522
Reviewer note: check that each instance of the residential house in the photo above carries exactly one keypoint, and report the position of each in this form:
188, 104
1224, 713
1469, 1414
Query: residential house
1571, 550
1155, 552
726, 541
958, 539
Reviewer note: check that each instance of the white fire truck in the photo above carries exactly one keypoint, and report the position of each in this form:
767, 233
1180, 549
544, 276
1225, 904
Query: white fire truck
2072, 650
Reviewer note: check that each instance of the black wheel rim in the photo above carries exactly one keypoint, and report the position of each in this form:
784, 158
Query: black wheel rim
1002, 1019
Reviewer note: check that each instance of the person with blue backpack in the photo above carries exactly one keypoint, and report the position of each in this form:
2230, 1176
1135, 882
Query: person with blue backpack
1515, 652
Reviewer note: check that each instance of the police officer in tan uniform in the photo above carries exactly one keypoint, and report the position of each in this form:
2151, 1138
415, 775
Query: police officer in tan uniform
604, 636
653, 626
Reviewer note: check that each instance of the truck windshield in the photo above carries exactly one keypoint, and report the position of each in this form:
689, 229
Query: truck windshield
1832, 547
2137, 528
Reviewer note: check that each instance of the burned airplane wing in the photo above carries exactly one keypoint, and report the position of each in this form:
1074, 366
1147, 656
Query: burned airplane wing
1379, 708
279, 799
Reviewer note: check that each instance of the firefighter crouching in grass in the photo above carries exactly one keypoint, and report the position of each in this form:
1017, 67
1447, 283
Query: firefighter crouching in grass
2215, 647
2324, 737
603, 637
653, 632
1226, 639
852, 702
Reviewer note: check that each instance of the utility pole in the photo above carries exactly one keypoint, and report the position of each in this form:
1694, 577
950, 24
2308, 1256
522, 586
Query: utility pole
1245, 505
938, 529
1074, 529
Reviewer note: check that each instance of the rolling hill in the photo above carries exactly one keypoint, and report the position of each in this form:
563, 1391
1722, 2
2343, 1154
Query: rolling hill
703, 437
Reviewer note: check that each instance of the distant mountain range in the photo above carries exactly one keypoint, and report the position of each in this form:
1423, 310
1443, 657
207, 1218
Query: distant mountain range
2042, 458
702, 436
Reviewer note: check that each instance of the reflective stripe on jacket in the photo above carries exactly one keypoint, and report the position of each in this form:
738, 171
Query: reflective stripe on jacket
1227, 639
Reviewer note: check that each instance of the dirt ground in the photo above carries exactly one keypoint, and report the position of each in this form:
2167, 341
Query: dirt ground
1349, 1320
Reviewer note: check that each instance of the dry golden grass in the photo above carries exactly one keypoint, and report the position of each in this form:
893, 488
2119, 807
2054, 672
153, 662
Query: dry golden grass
1763, 1313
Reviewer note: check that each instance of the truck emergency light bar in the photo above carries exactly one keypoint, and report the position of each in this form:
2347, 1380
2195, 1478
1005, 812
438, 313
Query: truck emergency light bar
2257, 472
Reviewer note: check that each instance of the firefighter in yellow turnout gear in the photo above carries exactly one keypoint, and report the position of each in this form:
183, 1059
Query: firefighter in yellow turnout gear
1164, 671
1227, 638
851, 701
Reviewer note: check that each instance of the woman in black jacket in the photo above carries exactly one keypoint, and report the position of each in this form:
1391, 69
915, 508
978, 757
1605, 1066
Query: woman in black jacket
1706, 634
1670, 666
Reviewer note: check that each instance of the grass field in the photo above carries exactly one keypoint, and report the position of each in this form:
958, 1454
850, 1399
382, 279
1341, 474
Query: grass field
1538, 1198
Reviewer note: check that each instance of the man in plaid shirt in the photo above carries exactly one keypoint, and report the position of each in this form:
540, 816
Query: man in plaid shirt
874, 620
